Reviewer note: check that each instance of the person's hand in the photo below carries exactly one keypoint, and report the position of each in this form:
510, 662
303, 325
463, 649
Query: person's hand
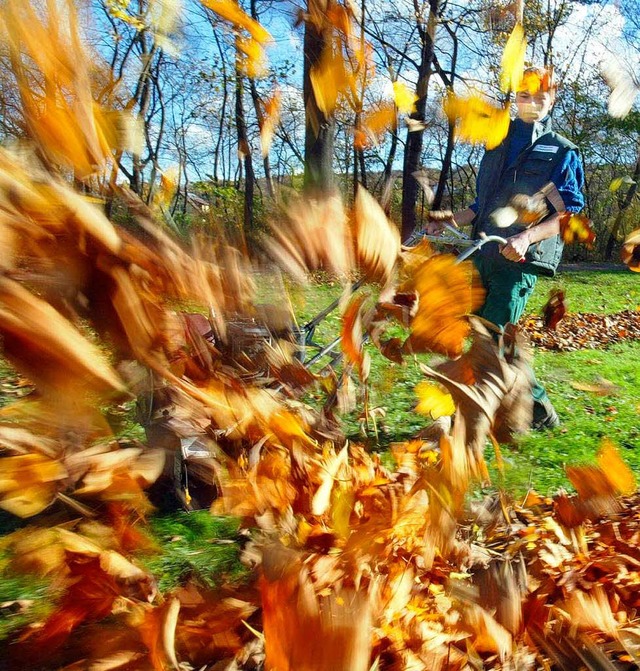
516, 247
436, 221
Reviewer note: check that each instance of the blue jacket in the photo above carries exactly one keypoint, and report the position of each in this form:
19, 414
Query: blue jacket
548, 157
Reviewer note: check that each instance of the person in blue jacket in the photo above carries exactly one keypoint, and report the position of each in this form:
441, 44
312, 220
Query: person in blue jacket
531, 161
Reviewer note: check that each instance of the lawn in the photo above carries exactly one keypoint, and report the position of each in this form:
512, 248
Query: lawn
538, 459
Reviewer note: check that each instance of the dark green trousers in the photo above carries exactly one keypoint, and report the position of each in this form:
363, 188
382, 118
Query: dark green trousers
508, 290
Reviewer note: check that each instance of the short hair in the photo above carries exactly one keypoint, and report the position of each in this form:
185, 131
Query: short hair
535, 79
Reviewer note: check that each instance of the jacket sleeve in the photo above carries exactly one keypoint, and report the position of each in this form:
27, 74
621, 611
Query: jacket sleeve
569, 180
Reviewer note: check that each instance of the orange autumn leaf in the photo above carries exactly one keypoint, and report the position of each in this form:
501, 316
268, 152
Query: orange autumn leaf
554, 309
230, 11
448, 292
253, 58
576, 228
610, 477
28, 483
374, 124
270, 121
339, 17
59, 356
618, 473
157, 629
70, 127
477, 120
532, 82
351, 336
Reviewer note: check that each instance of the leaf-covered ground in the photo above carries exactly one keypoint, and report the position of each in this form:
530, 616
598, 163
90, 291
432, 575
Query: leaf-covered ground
585, 330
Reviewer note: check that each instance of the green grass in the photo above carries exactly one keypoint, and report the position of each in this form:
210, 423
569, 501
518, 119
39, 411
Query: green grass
604, 292
539, 458
35, 595
196, 546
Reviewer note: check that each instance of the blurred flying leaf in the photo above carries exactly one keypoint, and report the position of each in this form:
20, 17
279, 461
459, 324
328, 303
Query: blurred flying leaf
620, 181
230, 11
433, 401
28, 483
253, 59
512, 66
624, 87
532, 82
70, 127
554, 309
374, 124
422, 177
448, 292
59, 356
576, 228
414, 125
352, 329
601, 388
331, 78
377, 238
322, 497
169, 180
609, 478
630, 252
314, 234
404, 98
270, 122
477, 120
618, 473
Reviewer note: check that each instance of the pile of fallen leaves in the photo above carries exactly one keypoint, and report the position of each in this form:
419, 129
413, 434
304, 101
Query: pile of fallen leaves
355, 566
583, 330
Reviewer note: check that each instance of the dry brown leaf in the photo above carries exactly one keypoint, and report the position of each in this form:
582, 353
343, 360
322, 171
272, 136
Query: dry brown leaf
59, 356
377, 239
630, 252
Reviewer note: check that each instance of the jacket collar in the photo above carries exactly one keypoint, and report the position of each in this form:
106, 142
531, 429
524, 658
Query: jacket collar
540, 128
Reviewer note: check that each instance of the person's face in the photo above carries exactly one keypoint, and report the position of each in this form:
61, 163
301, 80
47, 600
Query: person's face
534, 106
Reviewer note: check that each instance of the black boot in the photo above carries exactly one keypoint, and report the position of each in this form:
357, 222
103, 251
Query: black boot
544, 416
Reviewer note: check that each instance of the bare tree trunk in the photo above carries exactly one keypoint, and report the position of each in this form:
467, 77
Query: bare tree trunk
413, 150
260, 117
449, 81
319, 130
216, 154
244, 149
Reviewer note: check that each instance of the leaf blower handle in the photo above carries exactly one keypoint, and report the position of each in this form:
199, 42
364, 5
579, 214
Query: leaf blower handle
480, 242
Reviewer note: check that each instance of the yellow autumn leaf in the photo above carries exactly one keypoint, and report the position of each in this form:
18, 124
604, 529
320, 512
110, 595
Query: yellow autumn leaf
433, 401
477, 120
404, 98
512, 66
619, 181
253, 59
167, 189
331, 78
